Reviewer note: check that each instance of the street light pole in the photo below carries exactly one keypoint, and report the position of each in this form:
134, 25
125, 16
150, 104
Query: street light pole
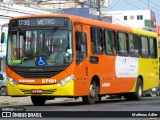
100, 9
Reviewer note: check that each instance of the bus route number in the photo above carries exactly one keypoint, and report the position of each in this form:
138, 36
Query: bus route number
23, 22
48, 80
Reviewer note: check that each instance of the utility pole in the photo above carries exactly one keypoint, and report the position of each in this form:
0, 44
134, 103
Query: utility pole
100, 9
148, 4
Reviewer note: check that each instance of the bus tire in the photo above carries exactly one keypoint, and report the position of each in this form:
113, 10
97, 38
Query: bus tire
129, 96
3, 91
99, 99
38, 100
93, 94
157, 94
137, 95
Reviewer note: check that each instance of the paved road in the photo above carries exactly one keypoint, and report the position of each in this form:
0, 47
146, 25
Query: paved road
147, 104
16, 101
69, 104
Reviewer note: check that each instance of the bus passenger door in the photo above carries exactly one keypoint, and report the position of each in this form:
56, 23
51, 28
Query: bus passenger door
81, 69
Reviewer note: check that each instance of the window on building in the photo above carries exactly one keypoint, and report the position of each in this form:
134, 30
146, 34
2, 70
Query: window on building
139, 17
125, 17
131, 17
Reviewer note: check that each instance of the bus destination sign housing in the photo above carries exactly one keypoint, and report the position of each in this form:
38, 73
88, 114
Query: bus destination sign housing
33, 22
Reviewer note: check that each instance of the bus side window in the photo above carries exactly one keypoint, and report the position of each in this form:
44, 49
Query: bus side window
96, 40
153, 48
110, 42
133, 45
122, 44
136, 45
81, 46
144, 47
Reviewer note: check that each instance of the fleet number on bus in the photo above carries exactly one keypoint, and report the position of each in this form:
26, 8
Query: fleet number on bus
48, 80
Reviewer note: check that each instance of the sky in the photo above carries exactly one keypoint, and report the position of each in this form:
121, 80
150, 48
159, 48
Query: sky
153, 5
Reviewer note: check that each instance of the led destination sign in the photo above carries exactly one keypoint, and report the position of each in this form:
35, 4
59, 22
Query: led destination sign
38, 22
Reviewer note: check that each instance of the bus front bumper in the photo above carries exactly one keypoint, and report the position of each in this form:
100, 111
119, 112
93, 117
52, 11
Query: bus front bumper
43, 90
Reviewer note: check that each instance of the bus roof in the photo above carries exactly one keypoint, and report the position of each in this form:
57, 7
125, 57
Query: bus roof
93, 23
81, 20
144, 32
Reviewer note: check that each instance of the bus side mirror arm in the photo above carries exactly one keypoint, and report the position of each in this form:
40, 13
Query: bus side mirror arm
2, 37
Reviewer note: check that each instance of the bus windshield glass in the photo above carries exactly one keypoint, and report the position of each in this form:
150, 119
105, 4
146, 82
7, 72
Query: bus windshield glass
29, 48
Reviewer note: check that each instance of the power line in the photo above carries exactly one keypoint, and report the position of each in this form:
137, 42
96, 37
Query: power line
132, 5
113, 18
136, 6
155, 4
113, 6
149, 5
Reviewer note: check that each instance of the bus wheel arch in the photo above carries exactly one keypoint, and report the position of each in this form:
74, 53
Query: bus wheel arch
94, 90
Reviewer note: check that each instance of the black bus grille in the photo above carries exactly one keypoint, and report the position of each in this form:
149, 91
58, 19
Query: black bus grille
32, 74
38, 72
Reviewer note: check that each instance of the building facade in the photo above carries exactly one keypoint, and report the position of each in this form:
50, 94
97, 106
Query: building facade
158, 30
143, 19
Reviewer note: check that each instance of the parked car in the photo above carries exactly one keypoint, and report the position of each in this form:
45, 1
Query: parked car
156, 91
152, 92
3, 87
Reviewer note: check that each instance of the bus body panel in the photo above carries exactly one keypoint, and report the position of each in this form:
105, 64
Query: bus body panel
105, 69
148, 67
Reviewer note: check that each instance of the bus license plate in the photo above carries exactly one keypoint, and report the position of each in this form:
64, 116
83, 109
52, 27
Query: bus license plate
36, 91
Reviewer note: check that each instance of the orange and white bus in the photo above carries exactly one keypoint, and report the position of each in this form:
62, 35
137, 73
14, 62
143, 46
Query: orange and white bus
58, 55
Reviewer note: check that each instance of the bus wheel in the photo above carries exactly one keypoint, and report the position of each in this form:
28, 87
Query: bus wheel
38, 100
137, 95
93, 94
3, 90
99, 99
129, 96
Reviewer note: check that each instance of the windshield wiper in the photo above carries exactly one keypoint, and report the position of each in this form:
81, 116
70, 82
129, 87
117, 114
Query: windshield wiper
53, 31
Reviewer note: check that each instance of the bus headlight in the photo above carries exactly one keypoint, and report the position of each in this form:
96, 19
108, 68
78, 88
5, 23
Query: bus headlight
12, 82
66, 80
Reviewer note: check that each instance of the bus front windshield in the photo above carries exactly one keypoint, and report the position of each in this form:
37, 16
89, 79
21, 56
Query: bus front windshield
39, 48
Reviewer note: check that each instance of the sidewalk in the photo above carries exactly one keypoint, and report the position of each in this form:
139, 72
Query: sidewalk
9, 101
